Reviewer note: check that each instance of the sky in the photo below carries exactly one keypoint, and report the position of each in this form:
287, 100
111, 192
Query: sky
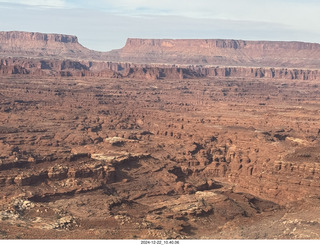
104, 25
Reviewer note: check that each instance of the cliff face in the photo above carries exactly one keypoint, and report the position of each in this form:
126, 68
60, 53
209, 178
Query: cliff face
211, 52
18, 37
45, 67
54, 67
218, 43
221, 52
31, 44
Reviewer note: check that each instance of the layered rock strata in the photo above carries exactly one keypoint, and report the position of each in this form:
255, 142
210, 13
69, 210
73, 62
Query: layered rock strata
71, 68
213, 52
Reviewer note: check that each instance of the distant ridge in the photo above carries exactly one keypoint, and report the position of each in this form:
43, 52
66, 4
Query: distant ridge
222, 52
16, 36
35, 45
205, 52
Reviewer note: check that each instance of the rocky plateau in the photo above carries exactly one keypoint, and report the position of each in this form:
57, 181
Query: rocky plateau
121, 146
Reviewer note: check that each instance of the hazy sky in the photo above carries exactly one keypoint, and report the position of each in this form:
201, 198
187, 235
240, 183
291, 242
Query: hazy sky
105, 24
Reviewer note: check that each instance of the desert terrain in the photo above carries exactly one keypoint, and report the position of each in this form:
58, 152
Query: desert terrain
95, 148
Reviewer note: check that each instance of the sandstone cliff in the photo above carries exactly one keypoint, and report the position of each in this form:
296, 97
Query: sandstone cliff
72, 68
33, 44
211, 52
221, 52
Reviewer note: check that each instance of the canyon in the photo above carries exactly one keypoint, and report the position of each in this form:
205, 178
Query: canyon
132, 144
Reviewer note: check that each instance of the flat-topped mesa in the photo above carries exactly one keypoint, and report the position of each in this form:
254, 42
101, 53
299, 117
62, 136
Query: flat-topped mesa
220, 43
205, 52
18, 36
225, 52
171, 43
34, 45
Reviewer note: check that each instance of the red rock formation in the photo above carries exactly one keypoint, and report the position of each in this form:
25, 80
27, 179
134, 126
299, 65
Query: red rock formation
48, 67
211, 52
33, 44
69, 68
168, 154
221, 52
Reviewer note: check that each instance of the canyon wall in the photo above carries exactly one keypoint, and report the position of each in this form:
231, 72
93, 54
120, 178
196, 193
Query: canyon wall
71, 68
